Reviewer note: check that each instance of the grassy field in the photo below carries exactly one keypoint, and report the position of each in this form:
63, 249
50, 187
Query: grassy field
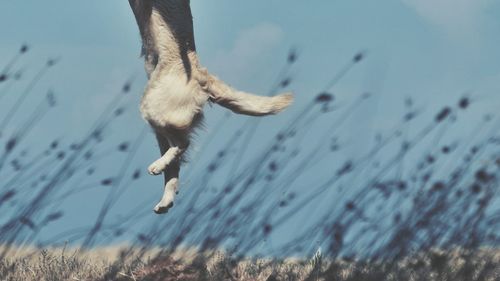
424, 184
109, 264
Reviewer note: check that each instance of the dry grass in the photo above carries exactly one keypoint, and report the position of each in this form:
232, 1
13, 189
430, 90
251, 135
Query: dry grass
110, 264
415, 187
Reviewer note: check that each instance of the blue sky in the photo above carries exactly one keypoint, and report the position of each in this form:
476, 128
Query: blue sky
429, 48
432, 50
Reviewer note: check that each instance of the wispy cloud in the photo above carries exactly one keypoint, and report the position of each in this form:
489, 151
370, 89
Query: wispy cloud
458, 18
251, 47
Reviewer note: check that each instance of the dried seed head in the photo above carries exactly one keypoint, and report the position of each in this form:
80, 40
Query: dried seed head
87, 155
463, 103
54, 216
16, 165
401, 185
107, 182
7, 196
119, 111
483, 176
126, 87
438, 186
123, 146
350, 206
358, 57
212, 167
24, 49
74, 146
475, 188
273, 166
221, 154
11, 143
285, 82
267, 229
443, 114
474, 149
409, 102
292, 56
338, 237
51, 99
51, 62
430, 159
348, 166
324, 97
136, 175
409, 116
29, 223
397, 218
18, 75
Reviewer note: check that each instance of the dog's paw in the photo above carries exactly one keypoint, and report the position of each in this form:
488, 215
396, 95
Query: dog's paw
156, 168
162, 208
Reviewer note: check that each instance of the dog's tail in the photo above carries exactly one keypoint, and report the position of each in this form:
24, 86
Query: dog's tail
244, 103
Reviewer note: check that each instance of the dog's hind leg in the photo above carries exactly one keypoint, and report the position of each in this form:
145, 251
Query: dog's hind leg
170, 152
171, 173
171, 182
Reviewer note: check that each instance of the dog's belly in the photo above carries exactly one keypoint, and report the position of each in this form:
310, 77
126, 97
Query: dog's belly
163, 116
172, 103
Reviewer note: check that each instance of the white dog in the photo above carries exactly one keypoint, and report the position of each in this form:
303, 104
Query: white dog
178, 86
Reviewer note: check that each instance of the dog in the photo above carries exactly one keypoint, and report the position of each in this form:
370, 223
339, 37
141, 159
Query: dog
178, 87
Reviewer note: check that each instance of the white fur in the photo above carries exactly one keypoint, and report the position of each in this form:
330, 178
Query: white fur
178, 86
